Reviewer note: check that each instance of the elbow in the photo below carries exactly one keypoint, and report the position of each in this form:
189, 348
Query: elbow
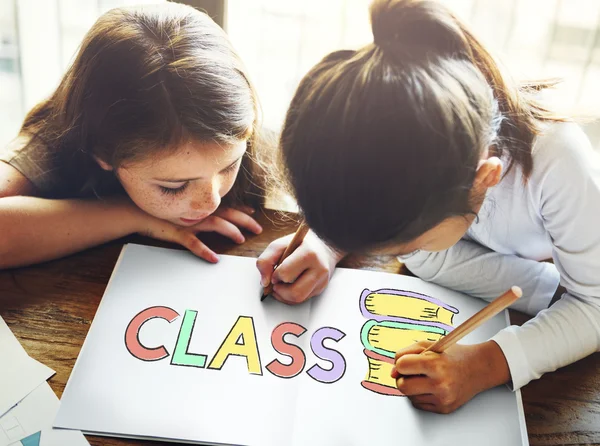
424, 266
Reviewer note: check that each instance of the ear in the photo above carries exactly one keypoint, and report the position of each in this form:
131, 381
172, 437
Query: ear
103, 164
489, 173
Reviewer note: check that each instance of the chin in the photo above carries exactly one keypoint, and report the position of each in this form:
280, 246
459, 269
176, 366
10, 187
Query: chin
178, 222
174, 220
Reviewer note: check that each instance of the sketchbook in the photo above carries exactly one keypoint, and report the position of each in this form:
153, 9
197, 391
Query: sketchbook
182, 350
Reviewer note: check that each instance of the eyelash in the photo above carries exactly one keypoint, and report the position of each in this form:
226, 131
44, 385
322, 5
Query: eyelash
231, 168
180, 189
173, 190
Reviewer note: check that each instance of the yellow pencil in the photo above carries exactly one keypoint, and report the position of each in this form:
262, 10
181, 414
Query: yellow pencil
489, 311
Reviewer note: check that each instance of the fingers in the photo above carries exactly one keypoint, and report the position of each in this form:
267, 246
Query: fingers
247, 209
191, 242
303, 259
431, 403
415, 348
423, 395
426, 398
415, 385
240, 218
426, 406
306, 286
269, 258
416, 364
220, 225
163, 230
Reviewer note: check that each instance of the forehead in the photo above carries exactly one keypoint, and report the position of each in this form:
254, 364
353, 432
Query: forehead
399, 249
439, 231
193, 158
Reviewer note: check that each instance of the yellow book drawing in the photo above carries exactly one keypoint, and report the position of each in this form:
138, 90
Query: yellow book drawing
407, 307
398, 319
387, 337
379, 378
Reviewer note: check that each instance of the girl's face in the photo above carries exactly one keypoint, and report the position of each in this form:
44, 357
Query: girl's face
186, 186
439, 238
447, 233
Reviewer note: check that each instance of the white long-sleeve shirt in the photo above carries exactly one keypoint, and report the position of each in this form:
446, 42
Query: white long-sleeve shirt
555, 215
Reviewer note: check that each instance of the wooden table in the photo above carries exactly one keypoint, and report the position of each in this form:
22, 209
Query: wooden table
49, 307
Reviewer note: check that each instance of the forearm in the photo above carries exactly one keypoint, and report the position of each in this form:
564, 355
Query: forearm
476, 270
558, 336
34, 230
491, 367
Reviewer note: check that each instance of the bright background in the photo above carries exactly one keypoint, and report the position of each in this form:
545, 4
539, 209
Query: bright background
280, 40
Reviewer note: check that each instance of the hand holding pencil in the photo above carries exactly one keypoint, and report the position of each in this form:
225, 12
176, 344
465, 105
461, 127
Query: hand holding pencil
294, 244
442, 376
296, 267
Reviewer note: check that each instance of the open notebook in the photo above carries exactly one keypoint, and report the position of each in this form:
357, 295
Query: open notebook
185, 351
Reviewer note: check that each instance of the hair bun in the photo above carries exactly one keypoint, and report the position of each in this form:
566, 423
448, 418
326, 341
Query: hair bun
384, 27
420, 27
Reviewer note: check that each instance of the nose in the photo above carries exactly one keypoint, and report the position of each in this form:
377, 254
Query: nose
208, 199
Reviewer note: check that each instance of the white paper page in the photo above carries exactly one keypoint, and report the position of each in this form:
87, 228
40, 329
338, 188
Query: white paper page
19, 374
33, 414
8, 341
345, 413
62, 437
111, 391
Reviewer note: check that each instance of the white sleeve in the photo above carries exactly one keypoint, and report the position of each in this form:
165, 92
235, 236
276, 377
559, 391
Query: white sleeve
569, 200
478, 271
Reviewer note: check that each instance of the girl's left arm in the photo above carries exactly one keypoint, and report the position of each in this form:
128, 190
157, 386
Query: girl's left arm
569, 202
565, 191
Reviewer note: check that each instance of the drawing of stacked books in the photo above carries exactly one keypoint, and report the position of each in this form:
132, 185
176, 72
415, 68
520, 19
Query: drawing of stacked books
398, 319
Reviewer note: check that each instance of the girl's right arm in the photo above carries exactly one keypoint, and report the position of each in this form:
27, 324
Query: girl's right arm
34, 229
476, 270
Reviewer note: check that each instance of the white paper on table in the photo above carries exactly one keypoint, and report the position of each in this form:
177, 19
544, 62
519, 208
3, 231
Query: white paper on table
9, 344
62, 437
112, 392
35, 413
19, 373
7, 336
185, 399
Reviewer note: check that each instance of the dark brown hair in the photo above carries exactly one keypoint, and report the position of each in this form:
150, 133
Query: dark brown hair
382, 144
145, 79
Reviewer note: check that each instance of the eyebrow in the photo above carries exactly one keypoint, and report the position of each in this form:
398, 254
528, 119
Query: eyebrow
183, 180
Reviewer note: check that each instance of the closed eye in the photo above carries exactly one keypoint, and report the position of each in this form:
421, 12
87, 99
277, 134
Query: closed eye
173, 190
232, 167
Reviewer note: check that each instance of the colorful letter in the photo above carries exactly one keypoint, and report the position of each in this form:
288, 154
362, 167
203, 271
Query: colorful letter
338, 363
132, 333
181, 355
295, 367
241, 341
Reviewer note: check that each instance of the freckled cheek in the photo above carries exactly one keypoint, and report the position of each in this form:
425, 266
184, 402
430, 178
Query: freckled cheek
226, 185
157, 204
227, 182
172, 207
166, 206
